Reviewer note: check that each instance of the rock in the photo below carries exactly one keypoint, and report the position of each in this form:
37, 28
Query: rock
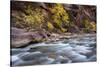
20, 37
73, 29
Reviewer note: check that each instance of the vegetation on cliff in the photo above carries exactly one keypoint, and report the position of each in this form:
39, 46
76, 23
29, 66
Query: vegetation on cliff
53, 17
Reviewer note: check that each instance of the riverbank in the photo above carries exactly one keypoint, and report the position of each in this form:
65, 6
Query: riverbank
20, 37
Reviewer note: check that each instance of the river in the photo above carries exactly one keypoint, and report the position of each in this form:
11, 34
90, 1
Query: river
80, 48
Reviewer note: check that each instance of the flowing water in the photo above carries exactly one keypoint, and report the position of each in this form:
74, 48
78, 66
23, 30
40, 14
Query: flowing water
79, 48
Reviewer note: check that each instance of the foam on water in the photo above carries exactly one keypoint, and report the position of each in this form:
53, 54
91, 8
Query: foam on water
79, 49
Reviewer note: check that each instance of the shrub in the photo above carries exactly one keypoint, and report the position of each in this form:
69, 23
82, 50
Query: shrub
35, 18
50, 26
60, 16
89, 26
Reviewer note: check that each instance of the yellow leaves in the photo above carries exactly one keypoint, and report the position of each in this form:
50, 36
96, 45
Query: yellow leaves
60, 16
59, 13
50, 26
39, 17
29, 9
65, 18
90, 26
57, 8
86, 23
63, 29
29, 20
34, 17
93, 25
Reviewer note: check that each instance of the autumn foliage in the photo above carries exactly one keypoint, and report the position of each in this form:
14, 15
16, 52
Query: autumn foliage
53, 17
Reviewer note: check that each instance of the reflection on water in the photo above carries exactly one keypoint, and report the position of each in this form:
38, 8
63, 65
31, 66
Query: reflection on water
81, 48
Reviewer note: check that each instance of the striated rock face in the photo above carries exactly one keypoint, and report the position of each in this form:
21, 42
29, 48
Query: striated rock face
20, 37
